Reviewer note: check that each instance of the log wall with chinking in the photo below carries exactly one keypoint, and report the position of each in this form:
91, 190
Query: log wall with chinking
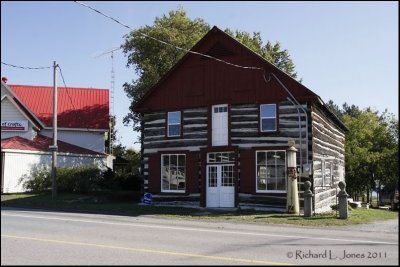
328, 143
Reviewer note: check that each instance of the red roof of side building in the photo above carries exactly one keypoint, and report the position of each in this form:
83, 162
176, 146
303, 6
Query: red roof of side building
41, 143
77, 107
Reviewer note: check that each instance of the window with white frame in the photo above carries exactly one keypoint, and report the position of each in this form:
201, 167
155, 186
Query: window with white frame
270, 171
268, 118
220, 157
221, 109
174, 124
173, 173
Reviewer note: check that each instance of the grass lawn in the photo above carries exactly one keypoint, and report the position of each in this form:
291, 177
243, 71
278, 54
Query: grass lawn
92, 204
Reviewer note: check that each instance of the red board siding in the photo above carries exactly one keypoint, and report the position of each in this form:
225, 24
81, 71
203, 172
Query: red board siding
247, 172
203, 179
192, 173
155, 173
196, 81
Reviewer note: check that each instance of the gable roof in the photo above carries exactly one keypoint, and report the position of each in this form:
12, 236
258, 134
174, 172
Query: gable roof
41, 144
217, 43
85, 108
21, 105
24, 113
181, 86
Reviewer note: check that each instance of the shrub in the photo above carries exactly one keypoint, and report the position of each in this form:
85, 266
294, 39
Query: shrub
349, 207
38, 179
128, 181
353, 205
82, 179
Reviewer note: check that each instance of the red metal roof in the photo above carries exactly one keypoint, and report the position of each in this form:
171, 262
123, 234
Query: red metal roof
41, 143
77, 107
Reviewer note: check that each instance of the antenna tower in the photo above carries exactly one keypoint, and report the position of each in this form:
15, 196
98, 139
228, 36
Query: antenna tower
112, 84
111, 99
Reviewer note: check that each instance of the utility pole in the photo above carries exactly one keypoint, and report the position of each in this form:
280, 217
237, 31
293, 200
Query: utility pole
54, 147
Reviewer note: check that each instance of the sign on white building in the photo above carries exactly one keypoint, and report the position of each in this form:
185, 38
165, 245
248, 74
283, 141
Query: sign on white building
15, 125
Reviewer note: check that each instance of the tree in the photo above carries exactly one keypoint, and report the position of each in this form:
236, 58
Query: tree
335, 109
371, 149
152, 59
272, 53
112, 143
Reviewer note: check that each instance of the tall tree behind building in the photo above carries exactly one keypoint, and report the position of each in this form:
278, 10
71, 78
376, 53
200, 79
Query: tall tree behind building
371, 149
152, 59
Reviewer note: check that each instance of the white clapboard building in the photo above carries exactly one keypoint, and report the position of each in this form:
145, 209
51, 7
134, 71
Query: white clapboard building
27, 130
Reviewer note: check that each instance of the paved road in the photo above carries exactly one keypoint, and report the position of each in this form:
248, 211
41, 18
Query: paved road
55, 238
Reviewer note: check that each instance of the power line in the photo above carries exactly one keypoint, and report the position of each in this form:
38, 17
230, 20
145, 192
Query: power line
166, 43
70, 98
76, 110
66, 88
36, 68
28, 68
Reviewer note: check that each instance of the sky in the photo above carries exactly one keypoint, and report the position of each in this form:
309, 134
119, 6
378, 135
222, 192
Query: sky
347, 52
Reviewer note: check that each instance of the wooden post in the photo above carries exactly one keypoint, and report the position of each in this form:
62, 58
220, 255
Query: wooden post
54, 147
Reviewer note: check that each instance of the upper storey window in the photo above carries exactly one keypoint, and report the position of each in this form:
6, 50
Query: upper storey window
174, 124
268, 118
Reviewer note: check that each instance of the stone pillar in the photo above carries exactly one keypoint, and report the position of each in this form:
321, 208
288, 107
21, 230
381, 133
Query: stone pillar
342, 195
307, 199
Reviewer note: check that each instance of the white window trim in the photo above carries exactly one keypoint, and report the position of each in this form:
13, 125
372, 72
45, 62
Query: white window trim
161, 175
170, 124
261, 118
220, 162
220, 106
271, 191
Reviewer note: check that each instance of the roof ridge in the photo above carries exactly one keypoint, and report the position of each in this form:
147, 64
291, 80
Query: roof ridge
91, 103
36, 145
58, 87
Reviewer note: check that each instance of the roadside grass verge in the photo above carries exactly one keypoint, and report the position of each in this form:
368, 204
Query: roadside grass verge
100, 204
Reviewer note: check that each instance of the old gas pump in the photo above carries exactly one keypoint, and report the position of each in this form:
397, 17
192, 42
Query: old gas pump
292, 192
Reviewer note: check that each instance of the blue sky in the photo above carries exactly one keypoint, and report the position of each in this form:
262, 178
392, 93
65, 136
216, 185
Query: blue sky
344, 51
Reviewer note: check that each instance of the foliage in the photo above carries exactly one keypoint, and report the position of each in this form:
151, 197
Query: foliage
371, 149
128, 178
119, 150
350, 206
112, 139
152, 59
80, 179
119, 180
272, 53
38, 179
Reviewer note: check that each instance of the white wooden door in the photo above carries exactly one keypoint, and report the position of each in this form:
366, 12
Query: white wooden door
212, 187
220, 125
220, 186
